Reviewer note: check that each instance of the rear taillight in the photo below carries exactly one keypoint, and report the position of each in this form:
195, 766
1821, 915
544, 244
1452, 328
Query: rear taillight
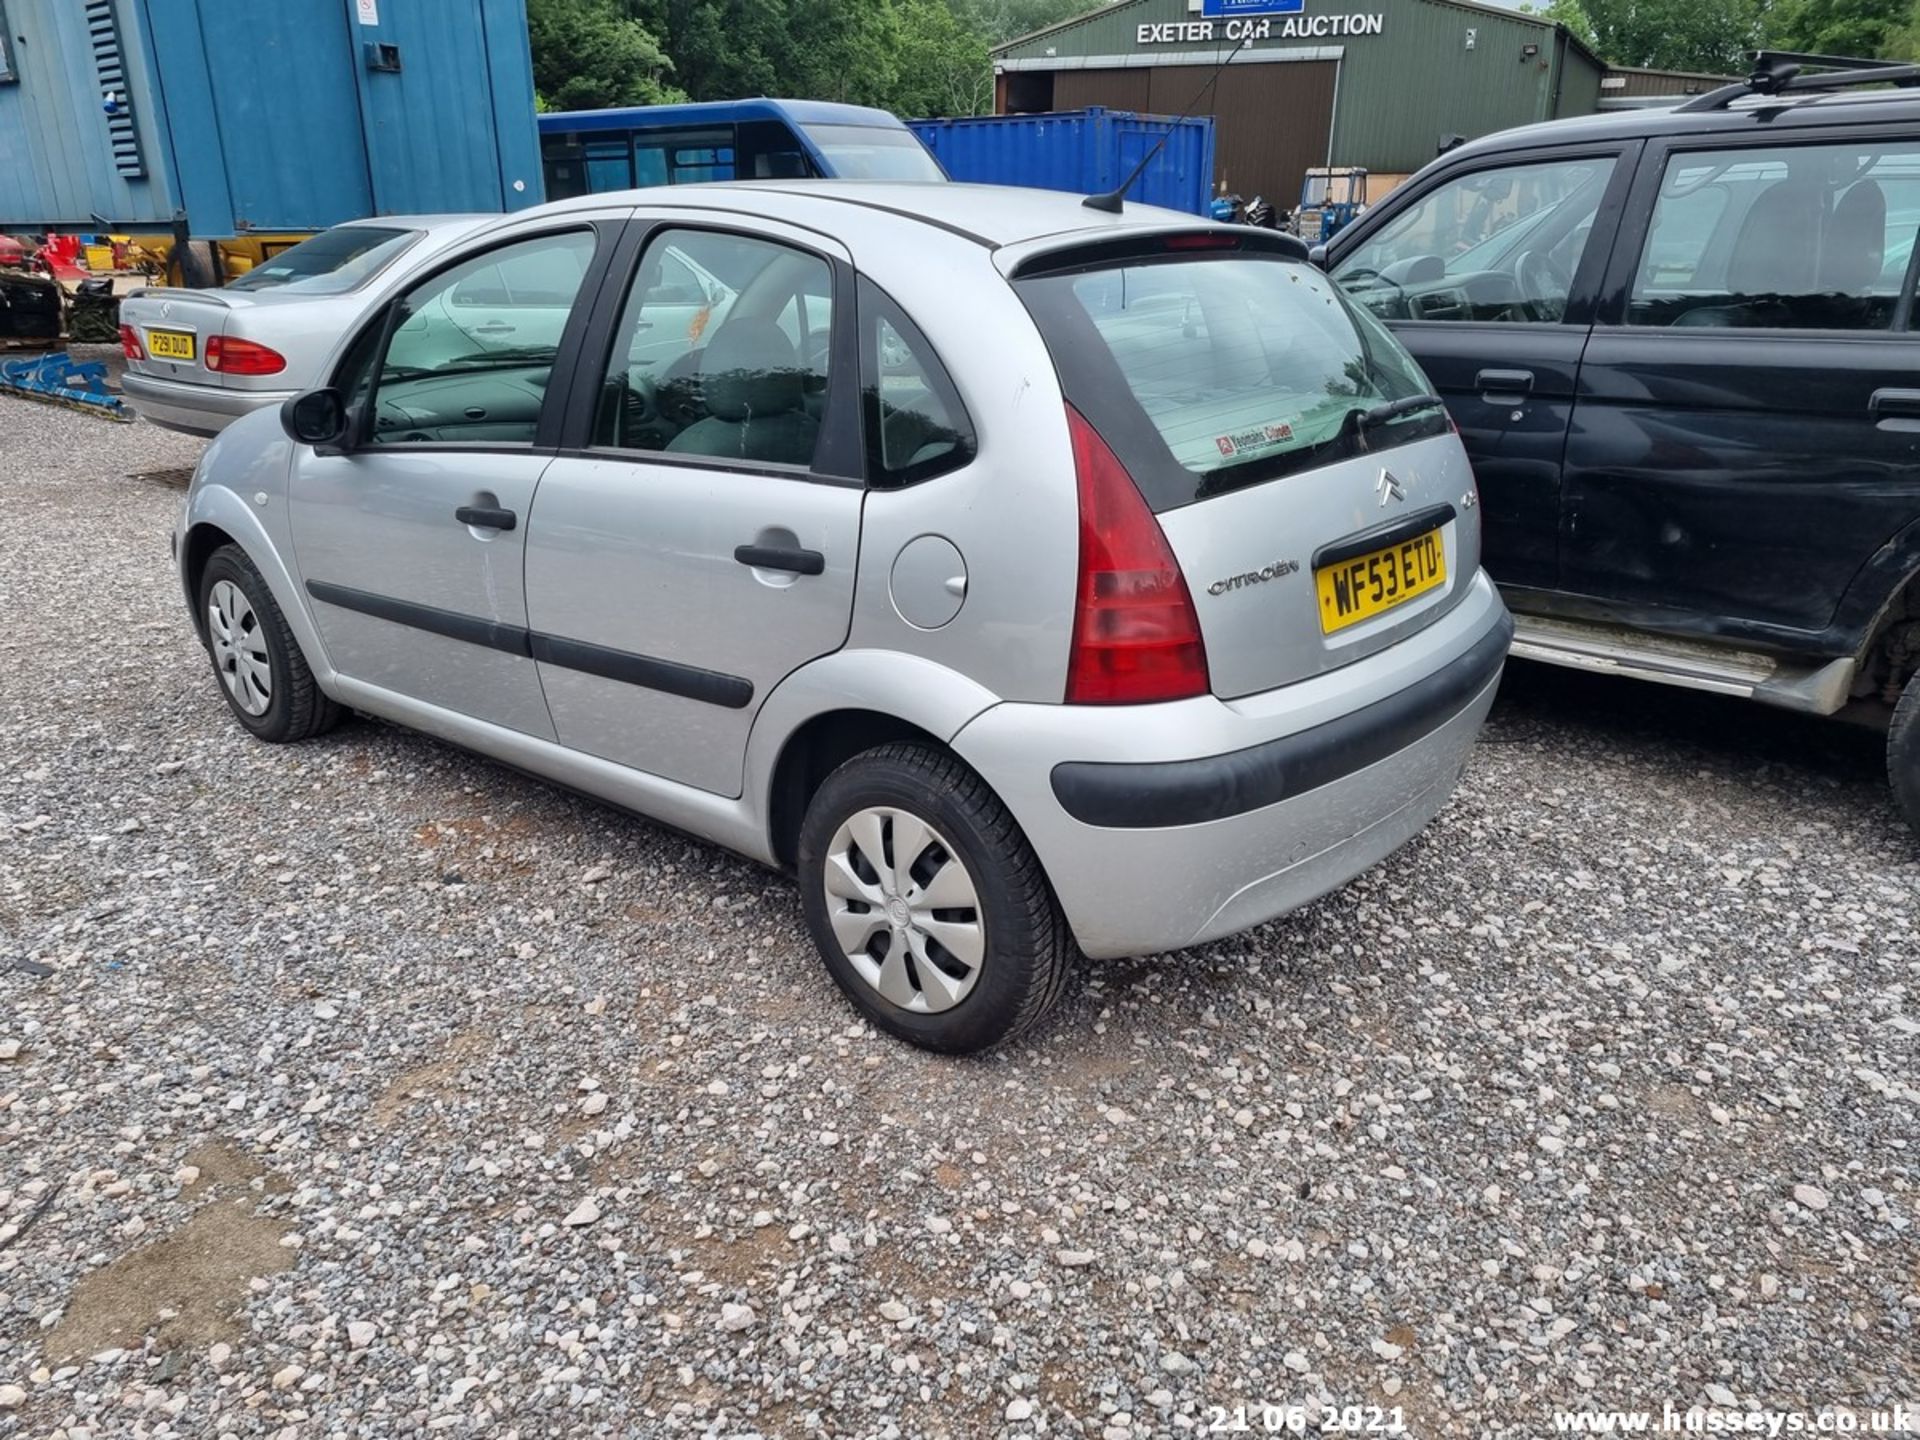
243, 357
130, 345
1136, 636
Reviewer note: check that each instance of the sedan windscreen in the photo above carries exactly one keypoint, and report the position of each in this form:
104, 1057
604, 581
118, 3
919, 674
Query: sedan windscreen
1208, 373
331, 263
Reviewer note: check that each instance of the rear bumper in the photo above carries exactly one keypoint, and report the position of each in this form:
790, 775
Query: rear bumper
194, 409
1162, 827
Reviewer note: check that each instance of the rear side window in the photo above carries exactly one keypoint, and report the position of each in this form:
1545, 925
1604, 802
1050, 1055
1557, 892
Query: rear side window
1207, 374
916, 427
331, 263
1789, 237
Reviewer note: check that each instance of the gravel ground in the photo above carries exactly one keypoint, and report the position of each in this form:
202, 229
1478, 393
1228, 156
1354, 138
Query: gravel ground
365, 1088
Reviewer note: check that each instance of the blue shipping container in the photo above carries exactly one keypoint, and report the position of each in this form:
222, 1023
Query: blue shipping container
1087, 151
294, 115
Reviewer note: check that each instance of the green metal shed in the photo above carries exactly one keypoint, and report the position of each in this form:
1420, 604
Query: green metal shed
1381, 84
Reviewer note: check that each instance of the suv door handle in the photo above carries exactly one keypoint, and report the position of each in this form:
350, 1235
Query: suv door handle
490, 517
1904, 403
781, 557
1504, 382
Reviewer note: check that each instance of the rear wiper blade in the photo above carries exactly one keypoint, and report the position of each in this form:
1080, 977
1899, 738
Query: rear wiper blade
1364, 420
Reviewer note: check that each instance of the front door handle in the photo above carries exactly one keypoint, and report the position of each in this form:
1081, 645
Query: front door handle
495, 327
489, 517
781, 557
1504, 382
1889, 403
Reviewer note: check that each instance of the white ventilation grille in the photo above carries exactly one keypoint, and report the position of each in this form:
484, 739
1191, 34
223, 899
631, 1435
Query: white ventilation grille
110, 67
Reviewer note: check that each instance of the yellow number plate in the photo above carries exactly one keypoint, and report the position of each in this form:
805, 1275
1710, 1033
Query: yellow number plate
1367, 585
169, 344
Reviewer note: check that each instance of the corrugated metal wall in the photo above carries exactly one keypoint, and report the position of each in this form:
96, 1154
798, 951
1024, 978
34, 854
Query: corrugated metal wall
286, 117
56, 151
1400, 90
1626, 83
1579, 81
1087, 152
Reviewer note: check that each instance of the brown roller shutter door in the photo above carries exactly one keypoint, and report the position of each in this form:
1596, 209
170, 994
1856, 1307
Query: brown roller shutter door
1271, 122
1115, 89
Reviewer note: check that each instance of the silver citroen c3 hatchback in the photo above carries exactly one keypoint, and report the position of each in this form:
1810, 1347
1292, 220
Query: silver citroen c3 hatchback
1026, 579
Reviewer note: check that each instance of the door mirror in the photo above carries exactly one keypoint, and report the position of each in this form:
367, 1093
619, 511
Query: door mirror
1318, 255
317, 418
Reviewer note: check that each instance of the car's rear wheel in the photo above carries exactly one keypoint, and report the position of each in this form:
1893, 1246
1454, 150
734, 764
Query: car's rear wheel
1903, 753
929, 907
266, 680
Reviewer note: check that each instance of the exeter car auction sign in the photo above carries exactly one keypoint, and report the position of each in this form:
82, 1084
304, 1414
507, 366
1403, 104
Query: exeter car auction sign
1254, 20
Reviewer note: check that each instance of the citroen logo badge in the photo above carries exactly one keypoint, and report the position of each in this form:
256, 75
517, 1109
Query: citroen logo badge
1389, 488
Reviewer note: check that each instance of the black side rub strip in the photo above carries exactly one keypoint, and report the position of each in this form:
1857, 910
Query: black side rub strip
1381, 536
450, 623
1192, 792
668, 676
691, 681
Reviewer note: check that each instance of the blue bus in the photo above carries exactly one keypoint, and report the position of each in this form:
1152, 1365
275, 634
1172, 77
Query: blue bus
587, 151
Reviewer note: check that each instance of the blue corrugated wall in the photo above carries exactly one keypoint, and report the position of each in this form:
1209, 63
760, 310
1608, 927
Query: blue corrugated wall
270, 116
1085, 151
56, 160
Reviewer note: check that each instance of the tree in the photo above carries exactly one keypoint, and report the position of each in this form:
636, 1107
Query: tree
944, 68
1841, 27
1706, 35
588, 54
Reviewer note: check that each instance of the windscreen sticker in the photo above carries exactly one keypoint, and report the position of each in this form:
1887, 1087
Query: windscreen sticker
1252, 442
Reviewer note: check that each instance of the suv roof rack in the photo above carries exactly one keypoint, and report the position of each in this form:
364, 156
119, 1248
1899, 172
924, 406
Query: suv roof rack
1782, 72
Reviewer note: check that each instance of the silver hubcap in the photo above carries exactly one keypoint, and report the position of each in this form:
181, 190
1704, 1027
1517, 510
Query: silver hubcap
239, 649
904, 910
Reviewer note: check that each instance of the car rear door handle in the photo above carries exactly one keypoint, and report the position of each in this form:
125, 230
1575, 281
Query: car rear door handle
1504, 382
780, 557
1886, 404
496, 327
490, 517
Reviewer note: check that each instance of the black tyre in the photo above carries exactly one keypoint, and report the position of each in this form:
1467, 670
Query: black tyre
1903, 754
928, 905
256, 660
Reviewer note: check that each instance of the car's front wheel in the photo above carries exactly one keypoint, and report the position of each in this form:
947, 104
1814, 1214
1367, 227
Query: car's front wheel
1903, 753
928, 905
264, 677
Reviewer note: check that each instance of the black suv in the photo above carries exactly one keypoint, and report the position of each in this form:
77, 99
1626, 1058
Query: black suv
1681, 347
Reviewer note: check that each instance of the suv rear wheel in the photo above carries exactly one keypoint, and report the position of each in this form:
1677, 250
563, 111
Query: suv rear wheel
929, 907
267, 682
1903, 753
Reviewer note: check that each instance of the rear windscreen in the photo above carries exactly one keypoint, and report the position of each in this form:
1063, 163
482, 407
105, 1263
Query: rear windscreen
1207, 373
331, 263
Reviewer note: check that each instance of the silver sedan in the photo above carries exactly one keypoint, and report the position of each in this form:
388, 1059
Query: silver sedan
197, 360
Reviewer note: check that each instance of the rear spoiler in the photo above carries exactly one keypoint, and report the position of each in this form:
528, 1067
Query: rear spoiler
1083, 250
178, 292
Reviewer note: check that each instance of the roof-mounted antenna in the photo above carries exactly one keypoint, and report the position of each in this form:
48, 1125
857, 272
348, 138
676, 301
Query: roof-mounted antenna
1110, 202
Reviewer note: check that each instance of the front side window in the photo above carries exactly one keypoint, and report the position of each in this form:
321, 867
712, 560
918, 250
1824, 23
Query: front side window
471, 350
1807, 237
1206, 375
916, 426
722, 350
1501, 244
